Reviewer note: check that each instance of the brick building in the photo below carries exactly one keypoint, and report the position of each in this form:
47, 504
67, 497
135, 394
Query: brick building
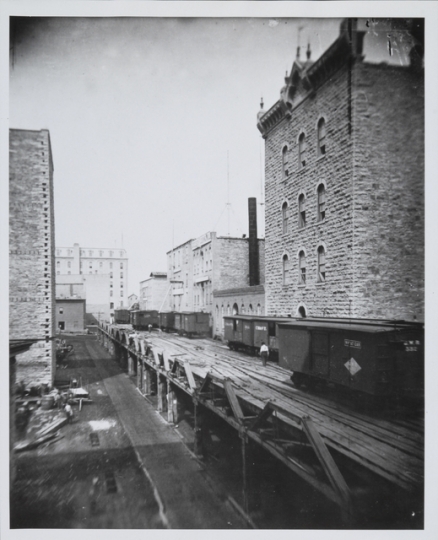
31, 254
113, 263
154, 292
70, 314
344, 171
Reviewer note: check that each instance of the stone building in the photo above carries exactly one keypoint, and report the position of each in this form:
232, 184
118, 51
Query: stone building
154, 292
31, 254
112, 263
344, 171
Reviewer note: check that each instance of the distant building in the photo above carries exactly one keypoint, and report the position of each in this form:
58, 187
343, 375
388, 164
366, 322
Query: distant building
112, 263
344, 182
250, 298
91, 287
70, 314
210, 262
31, 255
154, 292
132, 299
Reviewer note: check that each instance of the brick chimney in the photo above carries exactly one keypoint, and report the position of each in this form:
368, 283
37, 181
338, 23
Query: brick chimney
254, 271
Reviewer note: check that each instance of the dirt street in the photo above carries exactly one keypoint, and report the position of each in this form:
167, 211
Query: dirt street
118, 465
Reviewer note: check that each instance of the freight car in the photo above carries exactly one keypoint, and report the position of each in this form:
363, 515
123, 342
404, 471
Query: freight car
167, 321
379, 358
122, 316
246, 332
141, 320
192, 323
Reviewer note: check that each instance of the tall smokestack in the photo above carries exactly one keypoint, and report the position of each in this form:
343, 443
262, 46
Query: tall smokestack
254, 272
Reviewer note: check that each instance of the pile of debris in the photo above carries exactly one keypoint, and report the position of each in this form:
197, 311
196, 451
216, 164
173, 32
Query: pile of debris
41, 412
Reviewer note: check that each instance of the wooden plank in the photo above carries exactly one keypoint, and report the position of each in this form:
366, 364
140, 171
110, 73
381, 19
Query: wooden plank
189, 375
235, 405
331, 469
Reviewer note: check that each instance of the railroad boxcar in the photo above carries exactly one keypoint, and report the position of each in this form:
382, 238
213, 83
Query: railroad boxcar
195, 323
122, 316
141, 319
248, 332
378, 358
179, 322
167, 321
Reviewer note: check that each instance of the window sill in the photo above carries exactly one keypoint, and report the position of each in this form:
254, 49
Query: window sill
301, 285
320, 283
321, 157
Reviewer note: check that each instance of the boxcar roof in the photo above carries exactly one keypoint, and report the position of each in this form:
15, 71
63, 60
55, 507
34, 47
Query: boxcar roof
330, 325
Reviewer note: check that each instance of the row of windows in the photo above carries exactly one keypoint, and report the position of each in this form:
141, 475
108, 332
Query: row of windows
302, 219
321, 148
121, 293
302, 267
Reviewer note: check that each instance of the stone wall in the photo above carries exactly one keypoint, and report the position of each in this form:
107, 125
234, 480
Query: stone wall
334, 171
31, 253
388, 135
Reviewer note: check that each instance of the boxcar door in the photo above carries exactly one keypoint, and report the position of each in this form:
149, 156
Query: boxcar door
320, 354
294, 349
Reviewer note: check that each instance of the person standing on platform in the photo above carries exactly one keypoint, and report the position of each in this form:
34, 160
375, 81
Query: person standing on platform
264, 353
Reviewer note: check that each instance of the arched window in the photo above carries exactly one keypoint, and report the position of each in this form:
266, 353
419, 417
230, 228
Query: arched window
302, 312
285, 162
302, 146
321, 137
302, 267
285, 216
301, 211
321, 263
321, 202
259, 309
250, 309
228, 310
286, 270
242, 309
58, 264
235, 309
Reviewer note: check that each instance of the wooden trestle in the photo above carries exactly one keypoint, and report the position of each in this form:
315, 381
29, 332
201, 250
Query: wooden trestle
262, 405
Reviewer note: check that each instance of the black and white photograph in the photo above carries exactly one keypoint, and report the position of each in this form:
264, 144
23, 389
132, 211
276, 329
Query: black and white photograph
216, 238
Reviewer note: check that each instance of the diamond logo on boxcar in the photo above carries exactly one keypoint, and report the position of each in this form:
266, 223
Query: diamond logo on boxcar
352, 366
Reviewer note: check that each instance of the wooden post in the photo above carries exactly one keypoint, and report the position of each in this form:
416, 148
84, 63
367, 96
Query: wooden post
244, 475
199, 418
162, 397
140, 374
130, 366
170, 408
147, 385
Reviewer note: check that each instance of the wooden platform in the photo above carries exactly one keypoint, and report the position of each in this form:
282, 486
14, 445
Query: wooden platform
391, 447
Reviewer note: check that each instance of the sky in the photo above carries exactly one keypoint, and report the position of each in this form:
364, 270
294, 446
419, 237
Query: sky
153, 122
